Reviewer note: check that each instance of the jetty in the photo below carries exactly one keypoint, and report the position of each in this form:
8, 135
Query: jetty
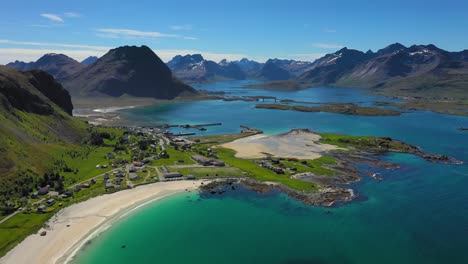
200, 127
263, 98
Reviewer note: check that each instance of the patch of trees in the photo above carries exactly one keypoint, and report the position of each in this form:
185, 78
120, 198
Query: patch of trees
61, 166
119, 147
143, 144
16, 187
96, 139
52, 179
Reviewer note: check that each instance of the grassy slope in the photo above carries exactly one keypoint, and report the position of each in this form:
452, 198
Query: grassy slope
30, 140
33, 142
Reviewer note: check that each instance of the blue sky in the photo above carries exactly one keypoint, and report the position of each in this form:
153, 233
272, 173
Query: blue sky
296, 29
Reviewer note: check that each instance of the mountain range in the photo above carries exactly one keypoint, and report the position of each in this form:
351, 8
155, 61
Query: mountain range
195, 69
419, 70
128, 70
137, 71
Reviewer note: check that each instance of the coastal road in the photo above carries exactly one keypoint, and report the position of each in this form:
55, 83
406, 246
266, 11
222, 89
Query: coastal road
189, 166
97, 176
18, 211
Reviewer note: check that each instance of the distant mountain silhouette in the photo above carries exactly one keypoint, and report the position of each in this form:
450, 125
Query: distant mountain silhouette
58, 65
194, 68
90, 60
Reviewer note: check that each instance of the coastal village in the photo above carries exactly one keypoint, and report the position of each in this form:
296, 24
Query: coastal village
147, 155
123, 158
139, 156
144, 155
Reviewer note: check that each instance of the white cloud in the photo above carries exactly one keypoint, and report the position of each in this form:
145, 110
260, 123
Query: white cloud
53, 17
71, 14
181, 27
43, 26
121, 32
327, 46
306, 56
60, 45
190, 38
34, 50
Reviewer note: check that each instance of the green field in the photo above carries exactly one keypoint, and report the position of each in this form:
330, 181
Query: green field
175, 157
221, 139
256, 172
207, 172
316, 166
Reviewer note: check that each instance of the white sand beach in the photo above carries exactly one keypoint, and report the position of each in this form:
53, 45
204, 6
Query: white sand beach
73, 225
300, 144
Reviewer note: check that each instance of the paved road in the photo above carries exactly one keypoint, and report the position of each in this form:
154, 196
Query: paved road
189, 166
18, 211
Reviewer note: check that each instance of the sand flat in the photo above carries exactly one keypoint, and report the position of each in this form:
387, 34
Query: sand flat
300, 144
84, 219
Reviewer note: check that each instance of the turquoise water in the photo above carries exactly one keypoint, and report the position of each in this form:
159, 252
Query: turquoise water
418, 214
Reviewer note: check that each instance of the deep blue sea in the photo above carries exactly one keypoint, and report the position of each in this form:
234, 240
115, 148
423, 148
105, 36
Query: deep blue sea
417, 214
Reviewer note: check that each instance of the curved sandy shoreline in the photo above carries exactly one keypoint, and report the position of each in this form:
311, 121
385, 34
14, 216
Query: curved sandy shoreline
73, 225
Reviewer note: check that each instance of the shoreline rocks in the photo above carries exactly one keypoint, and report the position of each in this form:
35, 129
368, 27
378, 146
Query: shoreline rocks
326, 197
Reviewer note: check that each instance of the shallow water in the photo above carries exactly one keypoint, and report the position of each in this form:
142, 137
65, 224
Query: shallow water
418, 214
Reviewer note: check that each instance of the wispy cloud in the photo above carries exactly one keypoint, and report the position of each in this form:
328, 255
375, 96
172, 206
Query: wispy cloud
43, 25
59, 45
53, 17
71, 14
121, 32
181, 27
327, 46
132, 33
329, 30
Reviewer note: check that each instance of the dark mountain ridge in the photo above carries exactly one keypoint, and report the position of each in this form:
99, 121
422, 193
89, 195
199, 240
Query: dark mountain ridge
131, 70
418, 70
32, 91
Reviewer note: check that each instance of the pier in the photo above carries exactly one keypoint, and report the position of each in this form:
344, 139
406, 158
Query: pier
262, 97
184, 134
